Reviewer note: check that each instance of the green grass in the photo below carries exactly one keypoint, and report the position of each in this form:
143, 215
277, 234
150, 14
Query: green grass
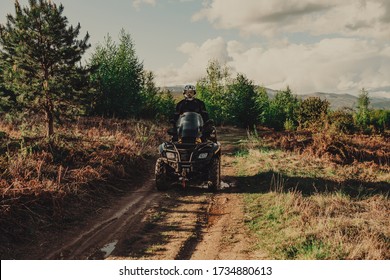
281, 230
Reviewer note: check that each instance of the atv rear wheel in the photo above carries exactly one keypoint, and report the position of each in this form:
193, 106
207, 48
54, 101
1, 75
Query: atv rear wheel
162, 183
214, 182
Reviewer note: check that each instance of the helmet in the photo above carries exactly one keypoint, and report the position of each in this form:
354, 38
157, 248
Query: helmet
189, 91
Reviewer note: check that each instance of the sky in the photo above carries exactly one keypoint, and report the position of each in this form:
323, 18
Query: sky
333, 46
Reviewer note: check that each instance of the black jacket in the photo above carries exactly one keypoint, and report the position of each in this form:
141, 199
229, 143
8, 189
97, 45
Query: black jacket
194, 105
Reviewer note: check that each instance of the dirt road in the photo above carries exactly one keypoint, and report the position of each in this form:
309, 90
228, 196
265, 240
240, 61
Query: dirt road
180, 224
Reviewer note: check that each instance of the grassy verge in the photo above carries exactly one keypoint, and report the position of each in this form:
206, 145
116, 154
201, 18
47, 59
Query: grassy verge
303, 206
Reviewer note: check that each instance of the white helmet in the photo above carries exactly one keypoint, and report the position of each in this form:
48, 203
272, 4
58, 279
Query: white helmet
189, 92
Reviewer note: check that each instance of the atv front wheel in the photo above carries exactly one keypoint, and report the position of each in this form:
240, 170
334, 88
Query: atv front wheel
214, 182
162, 183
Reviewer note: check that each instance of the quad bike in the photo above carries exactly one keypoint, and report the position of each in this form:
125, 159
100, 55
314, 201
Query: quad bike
192, 156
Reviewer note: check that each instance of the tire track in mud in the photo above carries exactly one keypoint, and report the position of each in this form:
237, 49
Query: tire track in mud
224, 234
183, 214
219, 231
209, 215
189, 246
108, 227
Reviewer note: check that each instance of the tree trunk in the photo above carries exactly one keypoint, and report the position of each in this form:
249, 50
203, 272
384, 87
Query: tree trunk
49, 110
49, 123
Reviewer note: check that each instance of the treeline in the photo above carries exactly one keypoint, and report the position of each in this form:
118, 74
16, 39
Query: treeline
41, 73
238, 101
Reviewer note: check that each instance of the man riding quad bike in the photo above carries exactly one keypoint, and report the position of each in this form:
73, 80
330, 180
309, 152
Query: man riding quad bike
193, 154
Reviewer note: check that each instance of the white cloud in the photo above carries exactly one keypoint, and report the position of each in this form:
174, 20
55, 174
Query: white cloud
198, 58
341, 65
350, 49
137, 3
332, 65
273, 18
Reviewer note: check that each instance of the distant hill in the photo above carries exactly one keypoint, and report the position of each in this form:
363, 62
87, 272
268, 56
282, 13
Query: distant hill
175, 89
177, 92
336, 100
380, 103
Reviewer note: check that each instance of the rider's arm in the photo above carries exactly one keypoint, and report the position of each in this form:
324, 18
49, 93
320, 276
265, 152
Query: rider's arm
177, 111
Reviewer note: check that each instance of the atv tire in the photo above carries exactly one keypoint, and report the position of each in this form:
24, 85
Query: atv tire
214, 180
162, 183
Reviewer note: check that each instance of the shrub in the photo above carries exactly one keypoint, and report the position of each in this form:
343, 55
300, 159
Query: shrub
380, 120
281, 109
312, 112
342, 121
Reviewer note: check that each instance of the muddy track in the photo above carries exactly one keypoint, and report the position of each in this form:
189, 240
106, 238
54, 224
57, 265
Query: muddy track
178, 224
189, 246
125, 214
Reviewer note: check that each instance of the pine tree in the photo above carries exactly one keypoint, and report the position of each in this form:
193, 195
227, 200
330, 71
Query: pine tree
363, 114
213, 90
118, 77
243, 105
262, 104
281, 109
40, 55
4, 98
157, 103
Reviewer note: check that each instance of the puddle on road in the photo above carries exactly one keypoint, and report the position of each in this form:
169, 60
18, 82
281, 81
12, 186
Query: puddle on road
109, 248
224, 185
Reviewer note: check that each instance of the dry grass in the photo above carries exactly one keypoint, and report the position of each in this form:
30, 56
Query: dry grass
81, 153
322, 226
336, 147
303, 202
50, 182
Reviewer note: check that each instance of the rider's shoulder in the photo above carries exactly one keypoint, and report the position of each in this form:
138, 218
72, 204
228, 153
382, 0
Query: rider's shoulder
181, 102
201, 102
198, 100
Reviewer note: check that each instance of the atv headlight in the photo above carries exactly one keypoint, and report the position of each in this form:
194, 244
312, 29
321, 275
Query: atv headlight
170, 155
203, 155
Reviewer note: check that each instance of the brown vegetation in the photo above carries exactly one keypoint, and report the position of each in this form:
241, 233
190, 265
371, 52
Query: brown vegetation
337, 147
45, 183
